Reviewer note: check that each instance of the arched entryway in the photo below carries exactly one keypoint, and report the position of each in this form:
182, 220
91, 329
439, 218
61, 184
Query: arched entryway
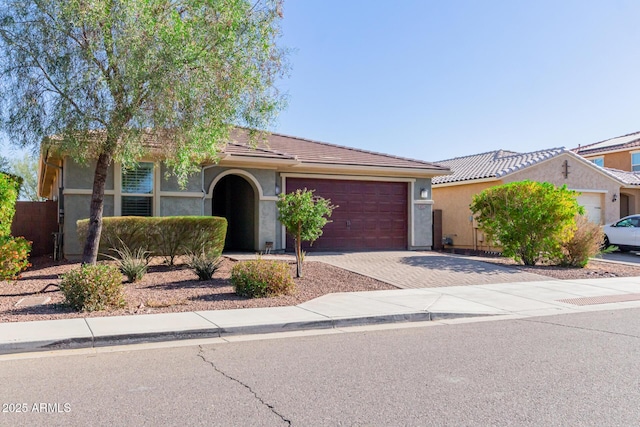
234, 199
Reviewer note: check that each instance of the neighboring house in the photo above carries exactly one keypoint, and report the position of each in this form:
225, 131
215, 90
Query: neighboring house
471, 174
383, 201
621, 157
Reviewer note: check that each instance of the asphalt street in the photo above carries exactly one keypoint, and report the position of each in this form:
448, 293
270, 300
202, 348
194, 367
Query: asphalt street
574, 369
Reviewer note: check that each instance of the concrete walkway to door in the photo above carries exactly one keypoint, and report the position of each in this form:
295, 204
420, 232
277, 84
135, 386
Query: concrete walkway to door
414, 270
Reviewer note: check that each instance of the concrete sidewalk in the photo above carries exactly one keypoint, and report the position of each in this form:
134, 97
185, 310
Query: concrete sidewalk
506, 300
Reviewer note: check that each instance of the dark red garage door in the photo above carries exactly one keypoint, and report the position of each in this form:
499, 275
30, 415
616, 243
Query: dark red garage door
371, 215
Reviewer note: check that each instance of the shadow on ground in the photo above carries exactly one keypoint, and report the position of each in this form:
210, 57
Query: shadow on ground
456, 265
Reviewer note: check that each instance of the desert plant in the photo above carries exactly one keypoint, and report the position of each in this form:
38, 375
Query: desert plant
14, 253
586, 242
93, 287
303, 215
132, 263
261, 278
204, 265
529, 219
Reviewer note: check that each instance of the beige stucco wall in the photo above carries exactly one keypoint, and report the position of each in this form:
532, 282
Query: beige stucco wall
457, 220
454, 201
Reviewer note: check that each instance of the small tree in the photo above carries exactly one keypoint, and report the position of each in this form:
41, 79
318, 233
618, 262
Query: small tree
530, 220
99, 78
303, 215
27, 169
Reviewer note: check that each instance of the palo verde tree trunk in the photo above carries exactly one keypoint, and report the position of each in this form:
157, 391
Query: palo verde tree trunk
90, 252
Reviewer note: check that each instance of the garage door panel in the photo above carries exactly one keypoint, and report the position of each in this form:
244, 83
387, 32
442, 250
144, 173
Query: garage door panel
592, 203
369, 207
354, 208
370, 214
370, 224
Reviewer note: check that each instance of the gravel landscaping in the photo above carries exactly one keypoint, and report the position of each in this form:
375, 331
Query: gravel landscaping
167, 289
174, 289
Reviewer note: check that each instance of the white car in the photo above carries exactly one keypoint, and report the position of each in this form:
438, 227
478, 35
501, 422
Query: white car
624, 233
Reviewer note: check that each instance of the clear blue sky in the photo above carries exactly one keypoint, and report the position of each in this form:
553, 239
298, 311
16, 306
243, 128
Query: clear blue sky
434, 80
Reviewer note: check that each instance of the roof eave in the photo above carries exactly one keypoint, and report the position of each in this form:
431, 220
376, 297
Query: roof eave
603, 151
466, 181
230, 159
374, 170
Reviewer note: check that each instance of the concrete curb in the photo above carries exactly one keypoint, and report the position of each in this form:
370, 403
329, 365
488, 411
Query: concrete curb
93, 340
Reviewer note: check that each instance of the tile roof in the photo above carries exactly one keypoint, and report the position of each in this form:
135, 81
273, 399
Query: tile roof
494, 164
628, 178
283, 147
309, 151
631, 140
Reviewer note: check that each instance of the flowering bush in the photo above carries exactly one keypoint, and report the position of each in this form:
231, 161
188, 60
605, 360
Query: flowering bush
14, 253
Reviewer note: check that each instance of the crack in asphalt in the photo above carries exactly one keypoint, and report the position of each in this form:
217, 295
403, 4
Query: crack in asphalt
258, 398
580, 327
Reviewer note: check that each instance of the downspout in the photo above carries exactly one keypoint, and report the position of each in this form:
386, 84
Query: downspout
204, 192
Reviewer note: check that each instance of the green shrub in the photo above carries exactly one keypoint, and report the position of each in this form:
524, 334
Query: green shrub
14, 253
529, 219
129, 231
585, 243
132, 264
168, 237
261, 278
9, 189
93, 287
181, 235
204, 265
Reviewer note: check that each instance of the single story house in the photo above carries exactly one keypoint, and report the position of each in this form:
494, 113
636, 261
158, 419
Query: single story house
621, 157
383, 201
599, 188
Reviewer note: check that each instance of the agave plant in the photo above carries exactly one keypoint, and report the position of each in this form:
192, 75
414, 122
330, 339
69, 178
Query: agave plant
132, 263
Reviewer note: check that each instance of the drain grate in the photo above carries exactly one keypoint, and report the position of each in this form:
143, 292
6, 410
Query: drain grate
601, 300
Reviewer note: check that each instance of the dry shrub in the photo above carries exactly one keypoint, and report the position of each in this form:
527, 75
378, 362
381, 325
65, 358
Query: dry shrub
585, 243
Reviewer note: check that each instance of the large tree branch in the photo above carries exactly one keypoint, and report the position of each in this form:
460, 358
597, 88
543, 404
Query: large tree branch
37, 64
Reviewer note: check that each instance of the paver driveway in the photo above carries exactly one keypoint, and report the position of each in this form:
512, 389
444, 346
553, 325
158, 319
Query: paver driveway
407, 269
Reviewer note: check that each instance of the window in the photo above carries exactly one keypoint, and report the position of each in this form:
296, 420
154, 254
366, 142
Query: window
599, 161
635, 162
137, 190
